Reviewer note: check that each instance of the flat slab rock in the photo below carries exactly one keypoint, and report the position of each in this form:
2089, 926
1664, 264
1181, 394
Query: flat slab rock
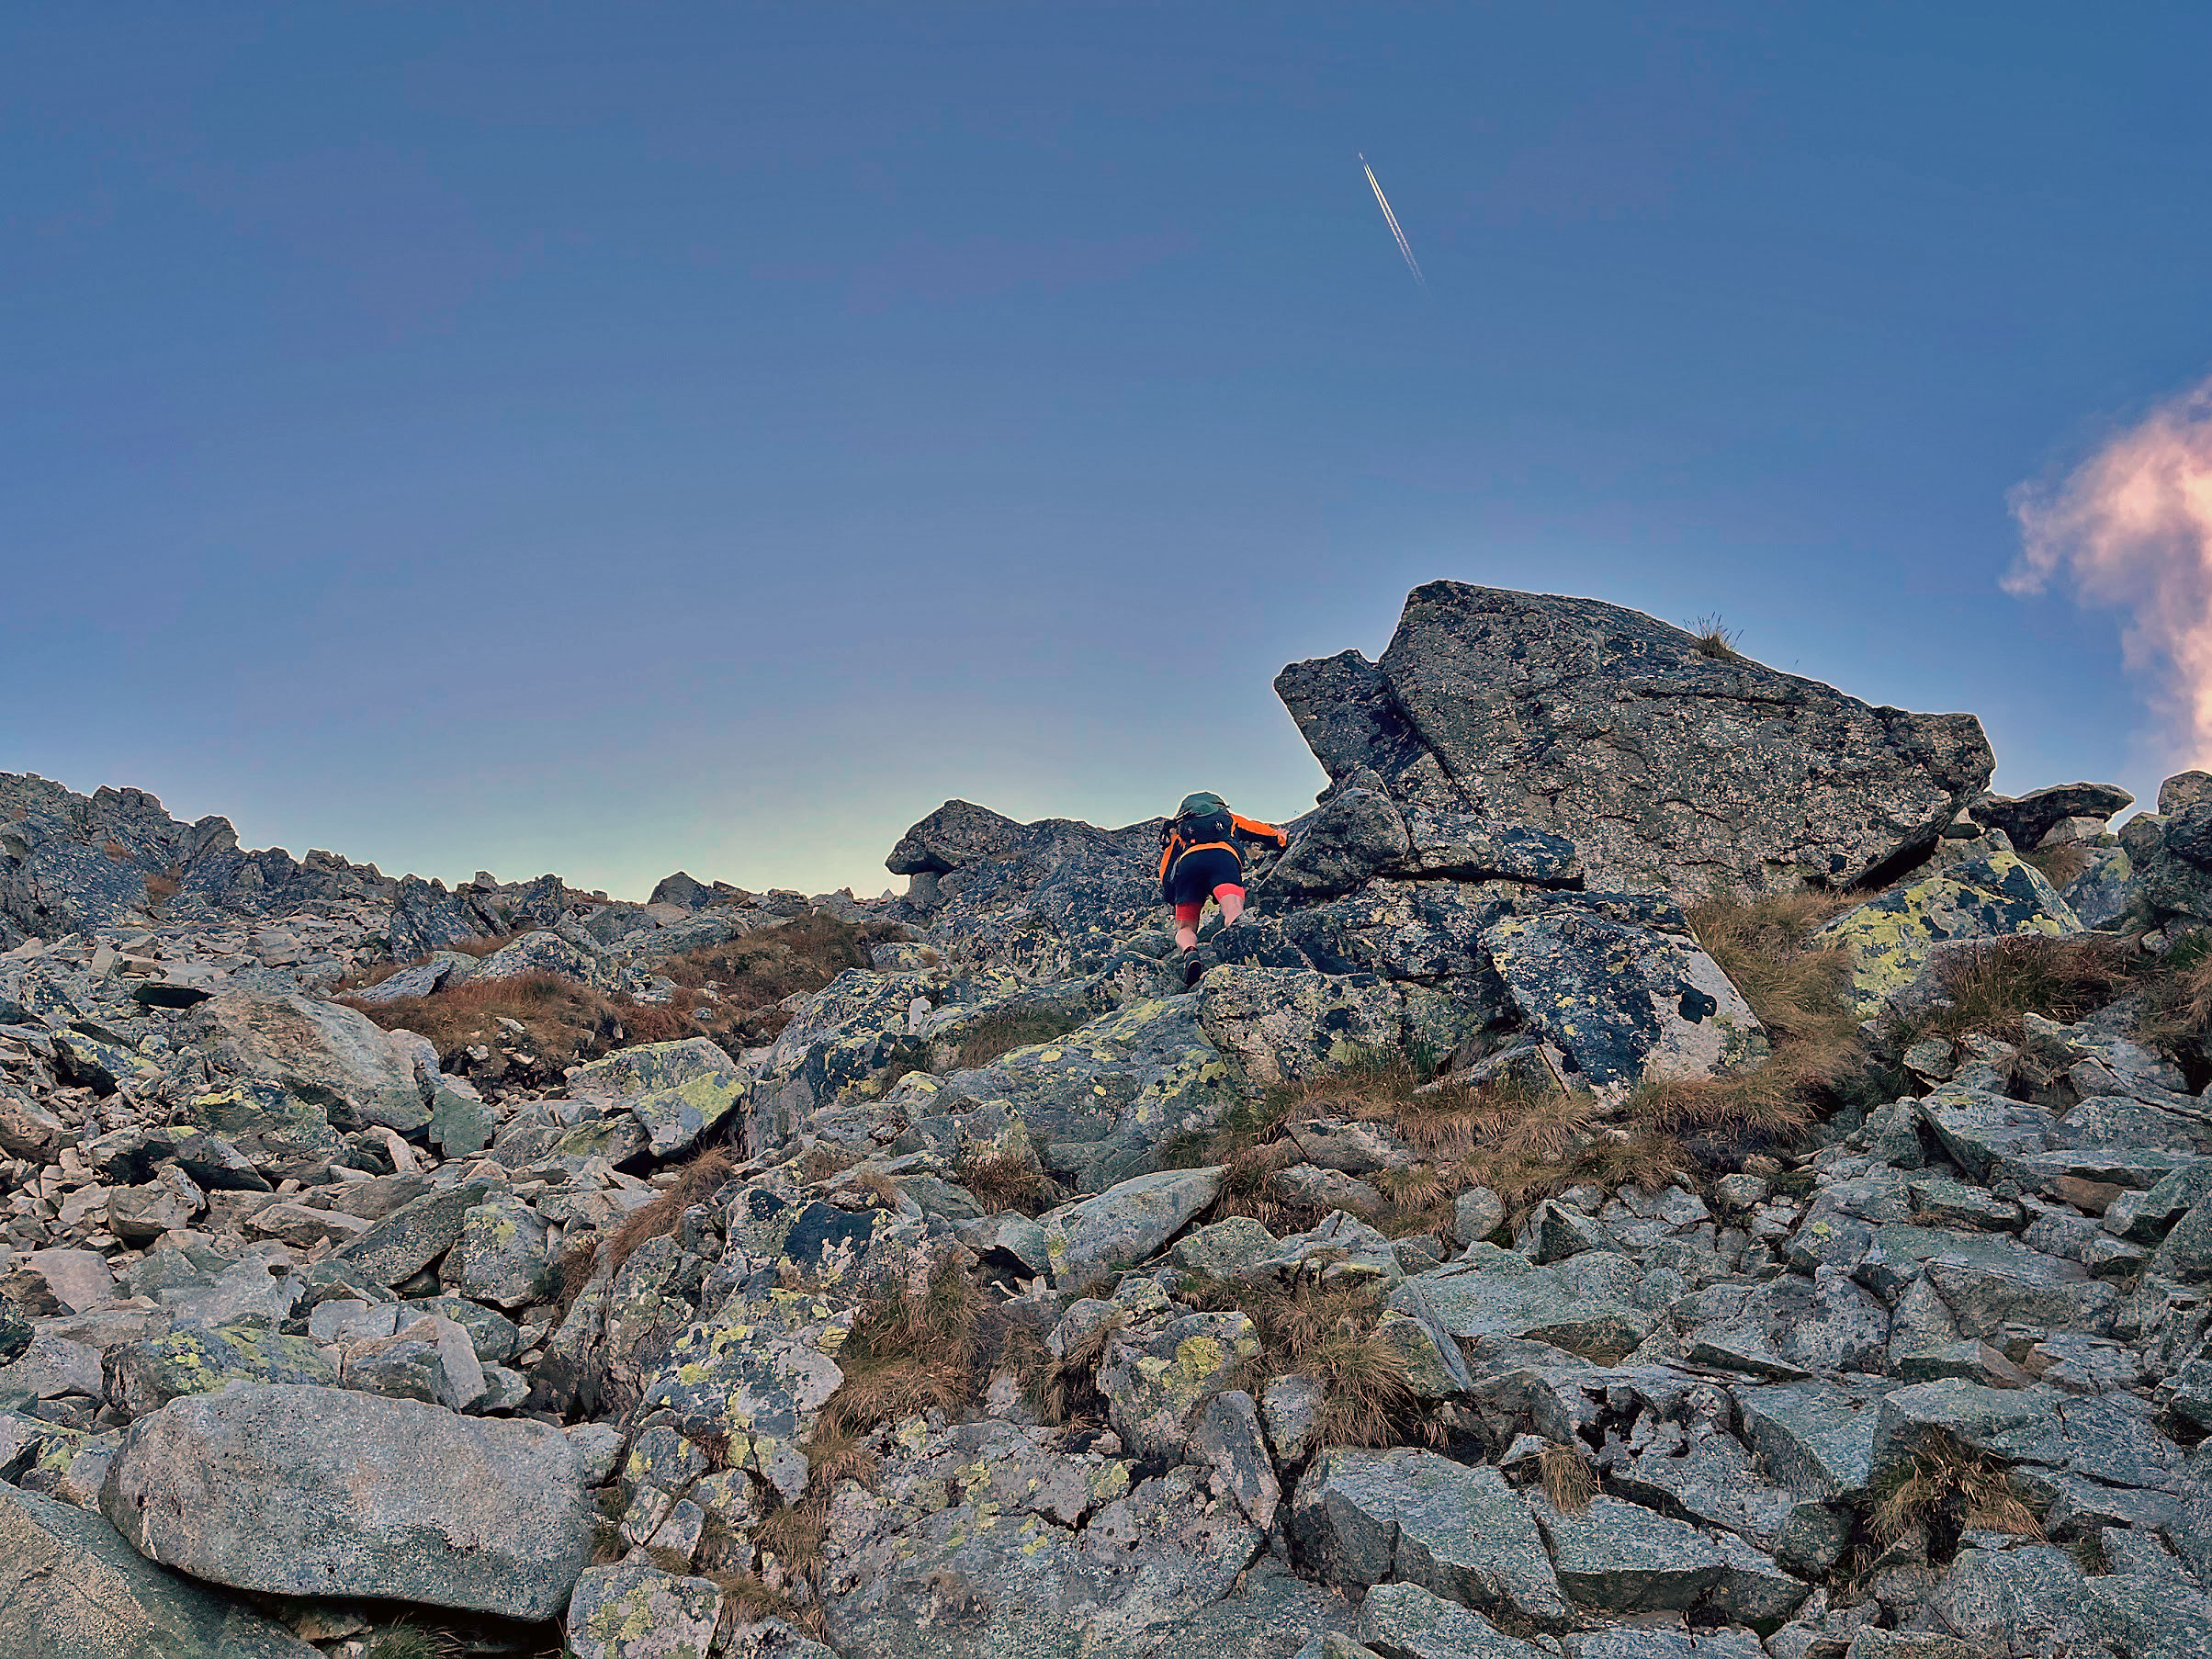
303, 1491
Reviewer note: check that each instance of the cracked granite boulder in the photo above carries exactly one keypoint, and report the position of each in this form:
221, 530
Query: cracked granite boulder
1665, 766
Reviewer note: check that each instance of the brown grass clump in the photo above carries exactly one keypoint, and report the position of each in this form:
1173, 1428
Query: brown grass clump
2060, 865
1567, 1479
1949, 1489
412, 1642
1000, 1034
1326, 1333
754, 1599
116, 851
1005, 1181
1989, 990
1715, 640
562, 1021
739, 983
880, 1190
1065, 1388
696, 1182
162, 889
913, 1347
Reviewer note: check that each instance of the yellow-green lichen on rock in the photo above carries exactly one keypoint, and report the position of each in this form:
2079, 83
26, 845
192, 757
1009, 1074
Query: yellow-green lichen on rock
1890, 937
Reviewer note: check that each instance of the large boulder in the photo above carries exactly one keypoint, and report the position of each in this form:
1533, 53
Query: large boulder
336, 1058
1666, 765
301, 1491
1891, 939
71, 1588
1586, 1305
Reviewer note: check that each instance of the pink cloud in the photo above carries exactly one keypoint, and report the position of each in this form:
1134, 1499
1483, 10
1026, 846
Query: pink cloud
2131, 528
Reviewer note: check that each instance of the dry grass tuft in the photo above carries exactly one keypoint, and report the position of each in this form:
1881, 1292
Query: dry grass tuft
748, 976
562, 1022
1065, 1388
1005, 1181
2061, 863
1950, 1490
2173, 1007
881, 1192
1801, 994
1566, 1477
998, 1034
754, 1599
696, 1182
412, 1642
1989, 990
162, 889
914, 1345
1715, 640
1326, 1333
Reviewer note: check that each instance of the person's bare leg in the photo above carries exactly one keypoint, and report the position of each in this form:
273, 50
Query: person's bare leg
1232, 905
1186, 936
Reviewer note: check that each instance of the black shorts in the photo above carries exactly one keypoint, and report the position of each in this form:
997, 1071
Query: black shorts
1196, 874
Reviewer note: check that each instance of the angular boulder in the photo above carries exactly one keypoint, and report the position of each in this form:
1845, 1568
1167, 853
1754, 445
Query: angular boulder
301, 1491
640, 1613
1891, 939
1286, 1026
678, 1090
1366, 1517
336, 1058
1666, 765
2027, 819
1585, 1304
71, 1588
1626, 1004
1125, 1223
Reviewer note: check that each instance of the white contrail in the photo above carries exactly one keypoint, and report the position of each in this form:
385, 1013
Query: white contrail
1404, 247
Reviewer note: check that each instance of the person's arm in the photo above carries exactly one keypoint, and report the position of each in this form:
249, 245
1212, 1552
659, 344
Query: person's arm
1252, 829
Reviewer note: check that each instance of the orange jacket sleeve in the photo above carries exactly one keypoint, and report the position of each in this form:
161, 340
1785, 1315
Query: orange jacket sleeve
1256, 831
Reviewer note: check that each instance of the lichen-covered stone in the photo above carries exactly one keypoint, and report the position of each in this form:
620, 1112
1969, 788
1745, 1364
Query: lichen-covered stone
500, 1256
1664, 764
1369, 1517
336, 1057
1125, 1223
1586, 1305
640, 1613
1157, 1375
415, 1234
1281, 1025
1626, 1004
1890, 937
756, 1371
71, 1588
679, 1091
295, 1491
148, 1374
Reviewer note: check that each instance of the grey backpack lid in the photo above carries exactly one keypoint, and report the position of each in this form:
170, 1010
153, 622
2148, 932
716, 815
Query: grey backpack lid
1202, 805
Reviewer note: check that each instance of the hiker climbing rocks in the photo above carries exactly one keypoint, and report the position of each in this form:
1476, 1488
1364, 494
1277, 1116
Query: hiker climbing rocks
1197, 856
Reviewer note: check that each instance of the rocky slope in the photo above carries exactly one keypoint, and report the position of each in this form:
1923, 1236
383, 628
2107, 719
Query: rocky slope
1474, 1252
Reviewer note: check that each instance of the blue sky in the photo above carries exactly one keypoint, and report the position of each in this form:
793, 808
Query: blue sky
606, 439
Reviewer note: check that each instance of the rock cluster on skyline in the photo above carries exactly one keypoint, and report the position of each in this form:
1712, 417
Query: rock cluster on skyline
1496, 1242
